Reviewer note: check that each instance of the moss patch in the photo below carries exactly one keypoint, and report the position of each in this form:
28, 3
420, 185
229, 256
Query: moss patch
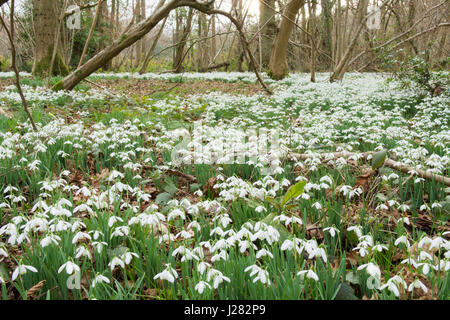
42, 67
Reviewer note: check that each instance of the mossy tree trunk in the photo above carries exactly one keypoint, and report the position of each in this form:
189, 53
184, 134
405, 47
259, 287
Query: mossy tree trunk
278, 66
45, 15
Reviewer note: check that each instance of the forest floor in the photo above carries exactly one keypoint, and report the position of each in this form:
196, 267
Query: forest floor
169, 187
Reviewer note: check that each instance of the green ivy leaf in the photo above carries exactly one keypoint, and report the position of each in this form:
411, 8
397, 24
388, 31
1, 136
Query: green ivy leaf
294, 191
378, 159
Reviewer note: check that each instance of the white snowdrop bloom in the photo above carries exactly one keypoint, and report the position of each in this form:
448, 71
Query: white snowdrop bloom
380, 247
176, 213
189, 255
22, 269
96, 234
245, 244
263, 277
52, 238
402, 239
83, 207
309, 274
99, 279
332, 230
436, 205
99, 246
168, 274
260, 209
114, 175
424, 207
317, 205
198, 193
262, 253
121, 231
410, 261
70, 267
371, 269
287, 245
356, 229
77, 224
116, 261
202, 266
392, 285
200, 287
80, 236
127, 256
403, 208
417, 284
218, 231
222, 255
84, 191
184, 234
382, 207
3, 253
194, 225
113, 219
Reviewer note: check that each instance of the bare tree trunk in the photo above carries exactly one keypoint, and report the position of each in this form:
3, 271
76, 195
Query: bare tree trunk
181, 40
91, 31
155, 42
46, 26
277, 65
341, 67
268, 26
10, 34
312, 17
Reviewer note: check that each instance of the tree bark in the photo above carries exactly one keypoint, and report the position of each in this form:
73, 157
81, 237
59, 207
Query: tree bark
278, 67
268, 27
45, 13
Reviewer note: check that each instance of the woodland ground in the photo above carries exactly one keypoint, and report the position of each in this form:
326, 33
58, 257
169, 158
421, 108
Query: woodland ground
97, 196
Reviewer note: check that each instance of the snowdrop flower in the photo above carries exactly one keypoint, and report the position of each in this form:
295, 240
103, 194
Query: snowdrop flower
70, 267
116, 261
99, 246
113, 219
49, 240
416, 284
356, 229
202, 266
392, 285
99, 279
402, 239
127, 256
262, 253
22, 269
3, 253
309, 274
80, 236
317, 205
200, 287
332, 230
260, 209
176, 213
169, 274
371, 269
83, 207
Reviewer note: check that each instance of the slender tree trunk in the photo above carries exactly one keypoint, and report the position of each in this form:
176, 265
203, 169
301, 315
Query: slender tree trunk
278, 66
268, 26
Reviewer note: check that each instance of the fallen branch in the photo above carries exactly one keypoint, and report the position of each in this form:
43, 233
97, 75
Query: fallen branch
216, 66
388, 163
173, 172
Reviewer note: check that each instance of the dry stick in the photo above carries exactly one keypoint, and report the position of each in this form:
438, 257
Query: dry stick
10, 34
91, 31
55, 45
388, 163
